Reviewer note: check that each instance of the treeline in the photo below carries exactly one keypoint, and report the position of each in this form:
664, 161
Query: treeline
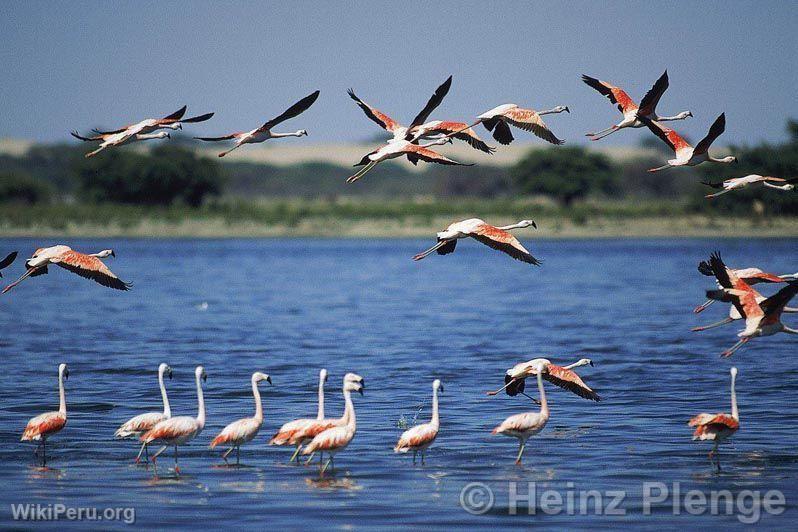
174, 174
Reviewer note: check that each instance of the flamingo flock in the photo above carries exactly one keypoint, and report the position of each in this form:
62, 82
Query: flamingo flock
329, 436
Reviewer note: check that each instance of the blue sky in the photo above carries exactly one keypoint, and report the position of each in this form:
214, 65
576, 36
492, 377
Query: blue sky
81, 64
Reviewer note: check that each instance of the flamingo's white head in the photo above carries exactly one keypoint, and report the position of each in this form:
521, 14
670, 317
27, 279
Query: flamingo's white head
105, 253
560, 109
323, 375
176, 125
437, 385
63, 370
355, 378
42, 256
733, 372
583, 362
260, 376
684, 114
302, 133
527, 223
199, 373
162, 135
354, 386
729, 159
165, 369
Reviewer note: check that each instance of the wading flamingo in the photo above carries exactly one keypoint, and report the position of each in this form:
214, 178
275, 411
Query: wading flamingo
494, 237
562, 376
522, 426
420, 437
738, 183
499, 119
398, 148
7, 261
312, 429
761, 319
44, 425
717, 427
627, 106
243, 430
88, 266
750, 276
286, 434
686, 155
179, 430
149, 125
264, 132
118, 139
336, 439
138, 425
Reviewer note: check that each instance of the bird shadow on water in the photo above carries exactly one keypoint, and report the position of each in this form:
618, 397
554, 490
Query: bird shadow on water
40, 472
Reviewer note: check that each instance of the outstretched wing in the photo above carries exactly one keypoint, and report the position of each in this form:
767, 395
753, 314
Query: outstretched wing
775, 303
176, 116
713, 185
434, 101
425, 154
717, 129
215, 139
529, 120
6, 262
666, 134
377, 116
297, 109
91, 268
86, 139
615, 94
464, 133
501, 131
503, 241
569, 380
649, 102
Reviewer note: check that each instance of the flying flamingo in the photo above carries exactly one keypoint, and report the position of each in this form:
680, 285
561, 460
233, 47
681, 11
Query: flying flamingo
420, 437
288, 431
7, 261
717, 427
243, 430
735, 315
499, 119
88, 266
562, 376
738, 183
182, 429
750, 276
45, 425
494, 237
761, 319
264, 132
336, 439
397, 148
629, 108
118, 139
173, 121
522, 426
421, 130
686, 155
138, 425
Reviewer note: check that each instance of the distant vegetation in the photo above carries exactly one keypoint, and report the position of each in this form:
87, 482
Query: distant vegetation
574, 178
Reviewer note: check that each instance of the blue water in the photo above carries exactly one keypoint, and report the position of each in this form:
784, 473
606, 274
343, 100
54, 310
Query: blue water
290, 307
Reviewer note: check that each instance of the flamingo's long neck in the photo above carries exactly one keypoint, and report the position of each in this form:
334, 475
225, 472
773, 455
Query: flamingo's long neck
200, 404
544, 405
282, 135
735, 414
576, 364
511, 226
349, 410
320, 415
167, 410
435, 420
550, 111
61, 394
258, 404
680, 116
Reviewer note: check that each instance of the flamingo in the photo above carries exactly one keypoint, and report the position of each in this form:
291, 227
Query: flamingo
89, 266
523, 426
148, 125
182, 429
761, 319
7, 261
735, 315
629, 108
741, 182
264, 132
286, 434
45, 425
397, 148
750, 276
686, 155
494, 237
118, 139
420, 437
499, 119
243, 430
717, 427
562, 376
421, 130
336, 439
138, 425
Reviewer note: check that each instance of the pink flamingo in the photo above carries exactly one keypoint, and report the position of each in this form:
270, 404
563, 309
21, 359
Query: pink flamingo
562, 376
138, 425
495, 237
685, 154
244, 430
420, 437
717, 427
45, 425
287, 433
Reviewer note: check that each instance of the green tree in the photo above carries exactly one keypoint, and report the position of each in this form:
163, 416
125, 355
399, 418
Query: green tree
19, 187
566, 174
